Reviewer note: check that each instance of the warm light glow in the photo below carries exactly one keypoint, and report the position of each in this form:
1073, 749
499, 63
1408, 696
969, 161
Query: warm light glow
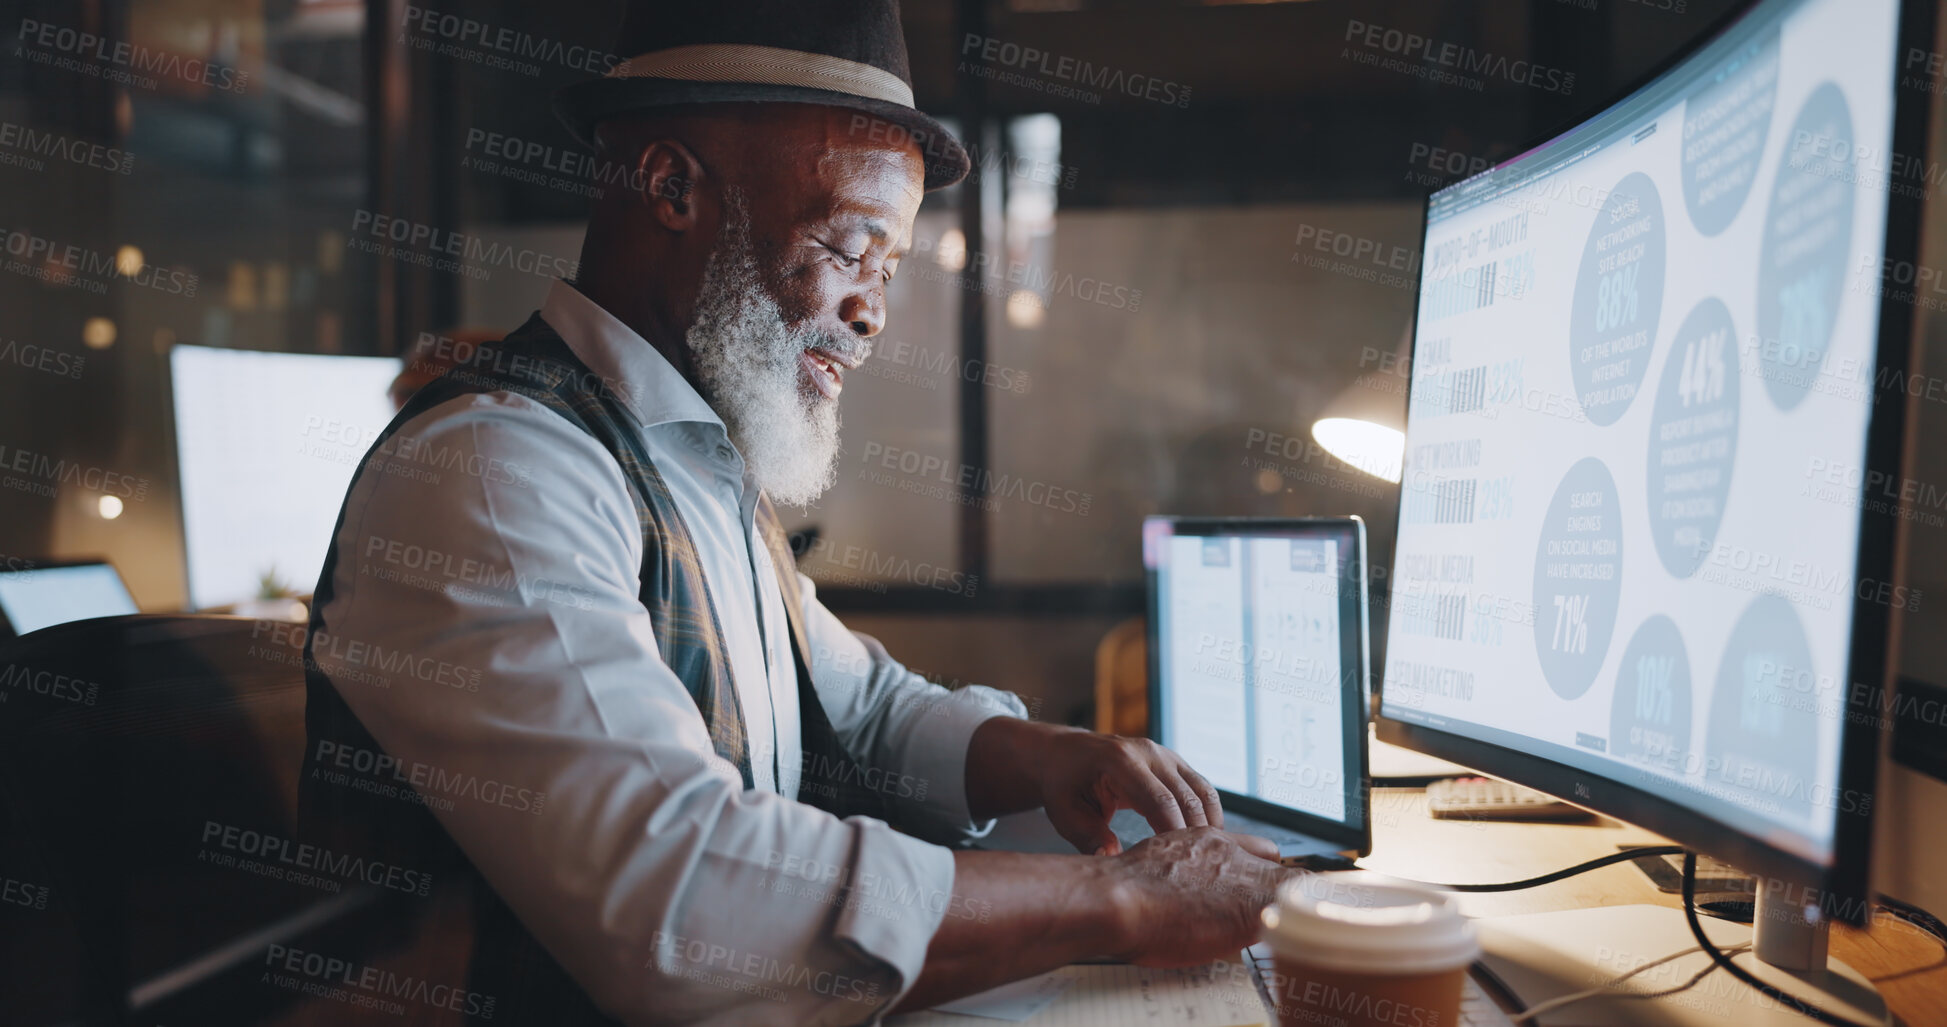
1025, 309
1372, 448
952, 253
277, 285
128, 260
110, 507
331, 252
98, 333
243, 286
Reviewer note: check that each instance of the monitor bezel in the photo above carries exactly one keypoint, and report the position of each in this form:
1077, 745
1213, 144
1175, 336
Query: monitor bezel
1354, 635
1843, 883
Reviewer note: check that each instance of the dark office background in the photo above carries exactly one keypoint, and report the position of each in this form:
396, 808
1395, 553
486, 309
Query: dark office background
1161, 331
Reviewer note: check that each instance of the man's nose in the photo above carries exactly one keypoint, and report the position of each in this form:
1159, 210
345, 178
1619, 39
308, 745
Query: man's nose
864, 312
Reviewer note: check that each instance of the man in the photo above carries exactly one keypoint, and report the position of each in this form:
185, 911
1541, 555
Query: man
671, 764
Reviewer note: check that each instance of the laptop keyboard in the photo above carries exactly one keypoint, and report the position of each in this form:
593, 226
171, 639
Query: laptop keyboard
1476, 1008
1130, 828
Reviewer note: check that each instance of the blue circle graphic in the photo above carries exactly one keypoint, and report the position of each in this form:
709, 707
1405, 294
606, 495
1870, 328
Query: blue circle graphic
1761, 748
1724, 128
1807, 240
1693, 438
1649, 717
1618, 296
1578, 578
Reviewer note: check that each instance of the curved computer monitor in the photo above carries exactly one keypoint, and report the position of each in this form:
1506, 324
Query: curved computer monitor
1644, 550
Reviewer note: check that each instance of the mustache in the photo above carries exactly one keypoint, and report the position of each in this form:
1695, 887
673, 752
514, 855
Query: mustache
852, 349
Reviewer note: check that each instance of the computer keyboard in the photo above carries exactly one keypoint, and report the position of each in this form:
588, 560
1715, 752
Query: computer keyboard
1484, 798
1476, 1008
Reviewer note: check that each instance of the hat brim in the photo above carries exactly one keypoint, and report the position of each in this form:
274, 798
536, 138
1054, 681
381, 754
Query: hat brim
584, 105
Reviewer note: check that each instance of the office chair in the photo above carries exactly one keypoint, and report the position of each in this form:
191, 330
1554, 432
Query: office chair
128, 746
1122, 679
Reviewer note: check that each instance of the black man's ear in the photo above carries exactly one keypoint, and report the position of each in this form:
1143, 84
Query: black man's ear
668, 173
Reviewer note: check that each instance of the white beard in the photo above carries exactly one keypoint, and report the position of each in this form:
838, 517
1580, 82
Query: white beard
747, 367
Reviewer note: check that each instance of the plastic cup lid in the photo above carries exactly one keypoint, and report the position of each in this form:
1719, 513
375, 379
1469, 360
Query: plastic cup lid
1366, 922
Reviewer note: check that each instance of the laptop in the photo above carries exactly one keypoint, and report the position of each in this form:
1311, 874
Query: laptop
41, 595
1258, 678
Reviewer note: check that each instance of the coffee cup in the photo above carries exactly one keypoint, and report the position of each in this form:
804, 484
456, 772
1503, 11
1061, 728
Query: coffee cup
1360, 949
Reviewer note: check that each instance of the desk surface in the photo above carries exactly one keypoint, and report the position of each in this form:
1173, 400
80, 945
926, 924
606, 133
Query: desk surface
1905, 963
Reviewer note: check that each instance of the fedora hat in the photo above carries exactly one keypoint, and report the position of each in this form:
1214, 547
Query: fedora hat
838, 53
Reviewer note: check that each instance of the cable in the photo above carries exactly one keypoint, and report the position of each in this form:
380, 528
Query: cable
1717, 956
1916, 917
1620, 856
1610, 988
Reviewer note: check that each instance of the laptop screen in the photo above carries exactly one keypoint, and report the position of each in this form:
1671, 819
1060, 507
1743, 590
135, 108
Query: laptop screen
1258, 675
38, 597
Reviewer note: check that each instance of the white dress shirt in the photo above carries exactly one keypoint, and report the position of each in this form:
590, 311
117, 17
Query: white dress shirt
668, 891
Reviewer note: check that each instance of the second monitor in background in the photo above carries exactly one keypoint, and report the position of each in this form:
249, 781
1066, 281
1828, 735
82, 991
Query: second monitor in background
265, 447
37, 596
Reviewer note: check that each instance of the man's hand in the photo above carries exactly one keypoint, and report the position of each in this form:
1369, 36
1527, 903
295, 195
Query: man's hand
1178, 899
1087, 777
1082, 778
1191, 896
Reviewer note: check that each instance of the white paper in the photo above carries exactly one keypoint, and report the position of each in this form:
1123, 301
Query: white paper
1015, 1002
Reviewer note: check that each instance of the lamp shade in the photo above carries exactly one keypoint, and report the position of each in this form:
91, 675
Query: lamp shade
1365, 425
1364, 445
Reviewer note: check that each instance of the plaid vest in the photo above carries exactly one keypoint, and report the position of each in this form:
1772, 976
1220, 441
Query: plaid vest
536, 363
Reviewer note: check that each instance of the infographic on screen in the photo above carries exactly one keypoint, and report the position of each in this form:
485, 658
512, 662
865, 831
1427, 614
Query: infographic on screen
1252, 682
1641, 384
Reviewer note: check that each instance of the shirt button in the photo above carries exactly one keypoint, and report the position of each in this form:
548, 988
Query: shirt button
724, 451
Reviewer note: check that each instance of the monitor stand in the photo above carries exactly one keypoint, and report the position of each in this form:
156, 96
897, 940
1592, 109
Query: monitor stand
1543, 955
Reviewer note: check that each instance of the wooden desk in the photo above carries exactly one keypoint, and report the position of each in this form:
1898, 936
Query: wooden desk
1905, 963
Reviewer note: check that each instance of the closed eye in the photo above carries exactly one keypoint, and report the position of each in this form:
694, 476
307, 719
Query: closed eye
844, 258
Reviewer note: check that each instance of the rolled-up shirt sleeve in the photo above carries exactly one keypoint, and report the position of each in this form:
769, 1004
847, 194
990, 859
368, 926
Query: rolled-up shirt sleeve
668, 891
888, 716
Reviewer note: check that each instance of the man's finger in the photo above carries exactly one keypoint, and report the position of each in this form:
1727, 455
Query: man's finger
1087, 830
1213, 809
1156, 801
1187, 799
1263, 848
